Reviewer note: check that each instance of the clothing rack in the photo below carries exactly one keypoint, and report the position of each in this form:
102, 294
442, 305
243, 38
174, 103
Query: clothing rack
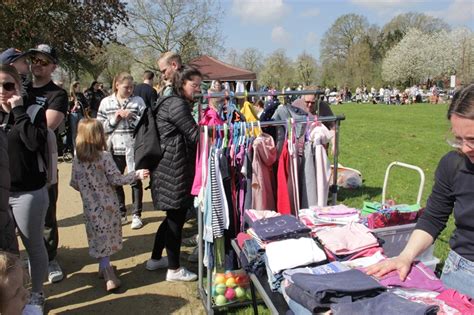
206, 298
267, 93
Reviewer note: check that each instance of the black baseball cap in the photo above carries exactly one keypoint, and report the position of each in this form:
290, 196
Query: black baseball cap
10, 55
46, 50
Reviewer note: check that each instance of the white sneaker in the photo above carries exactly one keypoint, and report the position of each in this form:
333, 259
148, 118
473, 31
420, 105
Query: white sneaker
181, 274
153, 264
55, 273
136, 222
35, 304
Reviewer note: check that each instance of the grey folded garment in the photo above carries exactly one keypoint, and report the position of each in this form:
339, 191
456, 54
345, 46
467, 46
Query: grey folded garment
319, 292
385, 303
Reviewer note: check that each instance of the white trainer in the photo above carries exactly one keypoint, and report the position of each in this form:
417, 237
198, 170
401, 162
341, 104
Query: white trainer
35, 305
154, 264
137, 222
181, 274
55, 273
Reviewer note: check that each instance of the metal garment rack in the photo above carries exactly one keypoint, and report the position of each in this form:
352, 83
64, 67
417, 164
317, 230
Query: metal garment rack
267, 93
206, 293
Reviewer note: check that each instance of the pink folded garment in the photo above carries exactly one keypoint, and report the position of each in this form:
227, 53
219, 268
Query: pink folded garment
255, 215
419, 277
461, 302
339, 210
242, 237
347, 239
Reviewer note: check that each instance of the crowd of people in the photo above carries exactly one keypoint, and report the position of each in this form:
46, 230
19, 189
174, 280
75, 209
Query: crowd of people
385, 95
102, 129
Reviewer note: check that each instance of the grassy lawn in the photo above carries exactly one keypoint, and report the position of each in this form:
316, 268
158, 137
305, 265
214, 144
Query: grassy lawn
373, 136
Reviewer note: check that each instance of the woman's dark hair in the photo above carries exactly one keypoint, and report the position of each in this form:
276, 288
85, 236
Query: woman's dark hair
180, 77
92, 85
462, 103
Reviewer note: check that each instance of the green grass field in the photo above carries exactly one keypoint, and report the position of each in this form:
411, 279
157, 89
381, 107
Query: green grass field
373, 136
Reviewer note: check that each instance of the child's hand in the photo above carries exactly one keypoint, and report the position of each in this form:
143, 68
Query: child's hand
142, 174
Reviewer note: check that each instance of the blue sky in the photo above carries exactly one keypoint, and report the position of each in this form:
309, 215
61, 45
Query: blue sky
299, 25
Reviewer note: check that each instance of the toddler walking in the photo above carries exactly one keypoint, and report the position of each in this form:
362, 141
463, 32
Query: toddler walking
94, 175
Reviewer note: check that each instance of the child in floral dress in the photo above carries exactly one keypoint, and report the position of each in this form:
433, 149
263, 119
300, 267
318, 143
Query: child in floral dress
94, 175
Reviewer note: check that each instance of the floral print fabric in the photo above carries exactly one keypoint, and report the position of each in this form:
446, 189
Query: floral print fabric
95, 181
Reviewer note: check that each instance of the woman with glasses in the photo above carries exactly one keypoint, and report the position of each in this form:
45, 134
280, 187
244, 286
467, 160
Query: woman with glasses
453, 192
28, 192
172, 179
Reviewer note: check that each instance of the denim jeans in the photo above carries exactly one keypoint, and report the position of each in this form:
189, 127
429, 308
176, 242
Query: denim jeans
458, 274
74, 119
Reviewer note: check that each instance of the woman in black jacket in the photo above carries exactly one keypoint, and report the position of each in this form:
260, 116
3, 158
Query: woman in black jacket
28, 200
171, 181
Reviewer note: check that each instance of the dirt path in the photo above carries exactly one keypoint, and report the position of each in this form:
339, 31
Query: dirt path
142, 291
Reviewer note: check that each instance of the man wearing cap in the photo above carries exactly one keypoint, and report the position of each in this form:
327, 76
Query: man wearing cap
17, 59
42, 91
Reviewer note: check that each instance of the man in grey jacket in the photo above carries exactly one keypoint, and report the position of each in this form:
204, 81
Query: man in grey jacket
8, 241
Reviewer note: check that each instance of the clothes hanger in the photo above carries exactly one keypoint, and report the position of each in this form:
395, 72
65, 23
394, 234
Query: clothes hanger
226, 133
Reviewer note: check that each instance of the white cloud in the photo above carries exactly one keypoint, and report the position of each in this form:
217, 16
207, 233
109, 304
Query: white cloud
280, 36
459, 11
313, 12
259, 11
311, 39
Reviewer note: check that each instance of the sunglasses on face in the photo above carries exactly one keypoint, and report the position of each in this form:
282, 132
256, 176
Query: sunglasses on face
39, 61
8, 86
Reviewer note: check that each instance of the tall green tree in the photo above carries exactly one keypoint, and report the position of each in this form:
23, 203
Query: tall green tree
346, 31
74, 28
277, 70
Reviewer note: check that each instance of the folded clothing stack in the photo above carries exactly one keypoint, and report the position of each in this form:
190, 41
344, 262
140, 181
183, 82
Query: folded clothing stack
320, 217
349, 292
292, 253
347, 239
279, 228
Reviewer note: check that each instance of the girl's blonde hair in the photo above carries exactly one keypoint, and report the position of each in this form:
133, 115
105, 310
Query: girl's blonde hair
90, 140
72, 88
119, 78
8, 264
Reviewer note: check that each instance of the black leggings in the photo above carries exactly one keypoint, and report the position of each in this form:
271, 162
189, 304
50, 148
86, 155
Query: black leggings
137, 192
169, 236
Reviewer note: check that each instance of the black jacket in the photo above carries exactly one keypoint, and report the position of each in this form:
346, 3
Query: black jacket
8, 240
172, 179
25, 140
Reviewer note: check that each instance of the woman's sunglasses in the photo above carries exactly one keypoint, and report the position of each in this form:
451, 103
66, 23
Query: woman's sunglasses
8, 86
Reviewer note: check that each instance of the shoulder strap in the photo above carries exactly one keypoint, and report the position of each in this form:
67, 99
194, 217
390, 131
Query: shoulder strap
32, 111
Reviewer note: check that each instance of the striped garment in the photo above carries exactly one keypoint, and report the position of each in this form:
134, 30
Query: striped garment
121, 132
217, 206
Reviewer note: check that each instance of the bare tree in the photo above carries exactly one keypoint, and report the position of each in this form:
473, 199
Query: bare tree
189, 28
251, 59
232, 57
